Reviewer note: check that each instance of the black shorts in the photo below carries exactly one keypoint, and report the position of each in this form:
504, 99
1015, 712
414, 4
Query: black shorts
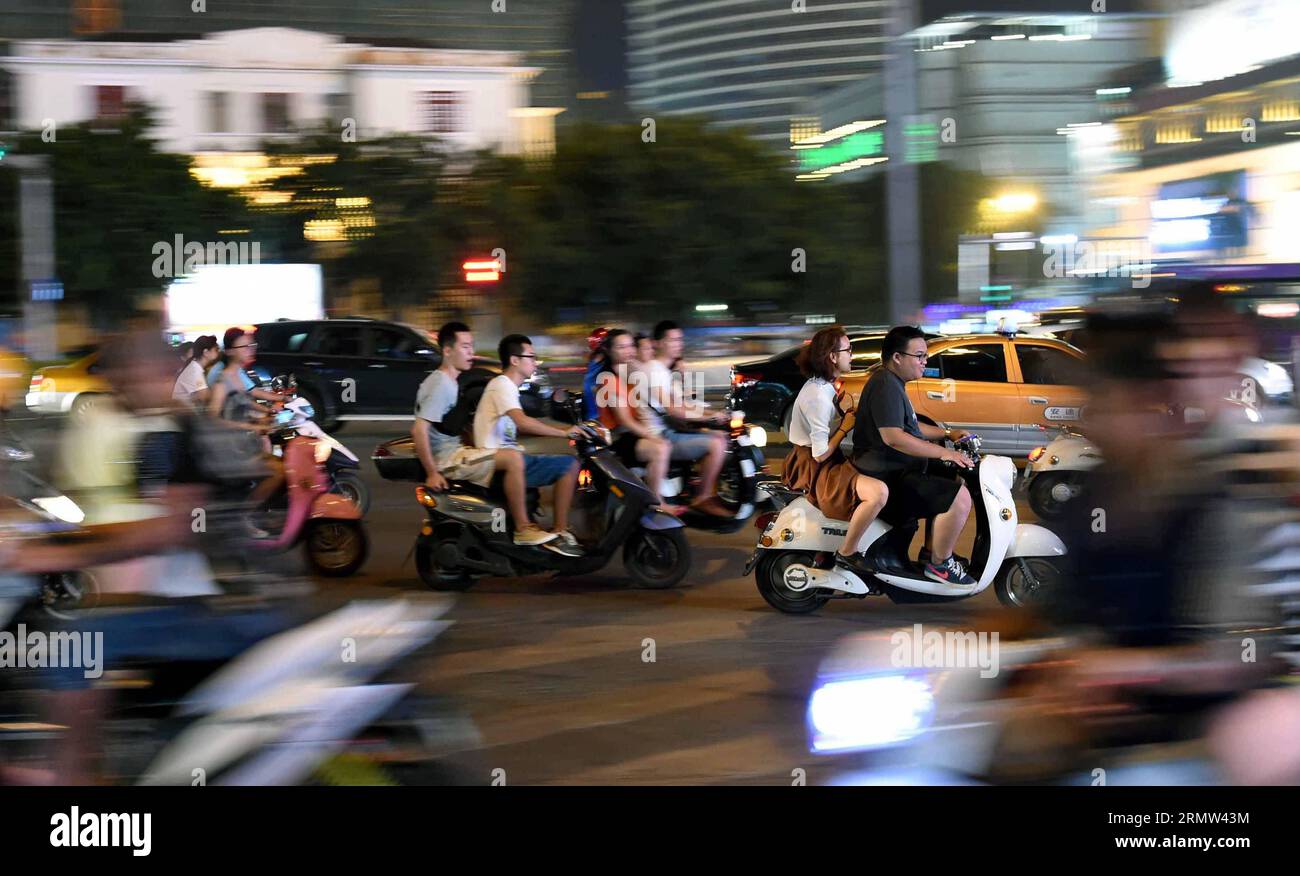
915, 495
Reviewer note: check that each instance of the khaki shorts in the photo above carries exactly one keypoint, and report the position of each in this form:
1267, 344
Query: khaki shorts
472, 464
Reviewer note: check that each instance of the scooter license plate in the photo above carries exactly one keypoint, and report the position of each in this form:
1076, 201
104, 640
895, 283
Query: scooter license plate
747, 468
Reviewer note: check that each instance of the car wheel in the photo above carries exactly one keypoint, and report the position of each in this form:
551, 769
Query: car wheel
322, 417
85, 403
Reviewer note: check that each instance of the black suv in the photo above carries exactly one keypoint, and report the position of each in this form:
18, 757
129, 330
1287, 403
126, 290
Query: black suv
766, 389
365, 369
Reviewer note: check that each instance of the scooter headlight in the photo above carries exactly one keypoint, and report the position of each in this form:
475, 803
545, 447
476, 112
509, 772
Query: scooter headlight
758, 435
856, 714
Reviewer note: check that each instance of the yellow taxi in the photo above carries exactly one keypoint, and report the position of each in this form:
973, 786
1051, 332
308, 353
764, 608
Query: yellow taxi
14, 368
73, 388
1003, 388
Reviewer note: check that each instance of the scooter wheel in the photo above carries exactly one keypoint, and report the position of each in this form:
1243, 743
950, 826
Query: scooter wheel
336, 548
658, 558
434, 576
351, 485
1016, 589
1042, 498
770, 577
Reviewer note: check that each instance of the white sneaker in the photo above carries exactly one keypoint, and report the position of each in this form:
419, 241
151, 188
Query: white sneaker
566, 544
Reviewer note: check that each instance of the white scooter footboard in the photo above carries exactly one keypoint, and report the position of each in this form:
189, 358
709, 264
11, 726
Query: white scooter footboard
997, 473
800, 577
1032, 540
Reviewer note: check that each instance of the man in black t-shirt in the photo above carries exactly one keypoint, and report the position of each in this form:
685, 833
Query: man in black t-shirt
891, 445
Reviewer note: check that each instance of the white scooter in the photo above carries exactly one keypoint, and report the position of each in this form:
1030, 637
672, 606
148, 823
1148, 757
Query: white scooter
1057, 472
795, 554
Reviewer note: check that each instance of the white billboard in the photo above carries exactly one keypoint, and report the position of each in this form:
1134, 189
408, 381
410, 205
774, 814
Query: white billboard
215, 297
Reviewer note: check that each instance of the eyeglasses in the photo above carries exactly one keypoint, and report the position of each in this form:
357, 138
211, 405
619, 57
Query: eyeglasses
921, 356
527, 355
845, 350
242, 346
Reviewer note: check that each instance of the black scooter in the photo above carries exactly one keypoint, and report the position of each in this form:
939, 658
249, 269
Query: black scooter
468, 532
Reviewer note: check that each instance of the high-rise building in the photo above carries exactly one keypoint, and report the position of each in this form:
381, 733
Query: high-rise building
749, 63
539, 29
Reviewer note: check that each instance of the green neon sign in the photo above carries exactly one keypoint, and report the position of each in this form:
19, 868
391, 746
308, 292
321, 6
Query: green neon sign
863, 144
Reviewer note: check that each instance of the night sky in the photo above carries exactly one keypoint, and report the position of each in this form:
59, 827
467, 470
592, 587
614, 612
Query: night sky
600, 45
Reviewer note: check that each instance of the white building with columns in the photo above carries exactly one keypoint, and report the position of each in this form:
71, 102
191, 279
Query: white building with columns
232, 90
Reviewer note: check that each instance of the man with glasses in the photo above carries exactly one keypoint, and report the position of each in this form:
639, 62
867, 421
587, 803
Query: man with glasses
891, 445
500, 418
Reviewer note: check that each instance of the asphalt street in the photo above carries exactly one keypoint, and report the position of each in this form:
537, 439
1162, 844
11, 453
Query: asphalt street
589, 680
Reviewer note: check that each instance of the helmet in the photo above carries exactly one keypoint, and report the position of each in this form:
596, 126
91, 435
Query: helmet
286, 383
596, 338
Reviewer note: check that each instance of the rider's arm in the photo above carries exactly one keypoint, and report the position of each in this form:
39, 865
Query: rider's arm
838, 436
218, 397
530, 426
423, 448
904, 442
932, 433
266, 395
114, 542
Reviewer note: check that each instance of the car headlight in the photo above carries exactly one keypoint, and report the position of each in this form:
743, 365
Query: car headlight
61, 507
758, 435
864, 713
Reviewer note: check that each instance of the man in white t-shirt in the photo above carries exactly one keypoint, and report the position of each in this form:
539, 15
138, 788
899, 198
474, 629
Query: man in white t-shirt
445, 457
499, 419
665, 397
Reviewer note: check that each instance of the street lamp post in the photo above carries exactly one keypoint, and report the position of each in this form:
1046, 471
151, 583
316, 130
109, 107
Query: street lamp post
36, 227
902, 191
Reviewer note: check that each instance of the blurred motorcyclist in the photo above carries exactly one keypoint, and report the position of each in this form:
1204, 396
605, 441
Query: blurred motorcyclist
148, 555
634, 441
709, 448
596, 361
1159, 551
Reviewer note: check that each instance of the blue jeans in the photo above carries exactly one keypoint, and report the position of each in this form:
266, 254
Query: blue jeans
544, 469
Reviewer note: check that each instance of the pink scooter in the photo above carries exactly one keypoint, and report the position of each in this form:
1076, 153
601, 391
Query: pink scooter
327, 524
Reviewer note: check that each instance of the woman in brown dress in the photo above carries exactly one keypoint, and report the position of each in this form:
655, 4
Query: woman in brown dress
819, 421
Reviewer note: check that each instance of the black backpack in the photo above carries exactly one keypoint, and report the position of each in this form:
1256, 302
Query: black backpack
459, 421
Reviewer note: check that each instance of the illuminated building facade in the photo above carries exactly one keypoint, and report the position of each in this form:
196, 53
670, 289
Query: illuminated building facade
748, 63
1205, 162
538, 31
